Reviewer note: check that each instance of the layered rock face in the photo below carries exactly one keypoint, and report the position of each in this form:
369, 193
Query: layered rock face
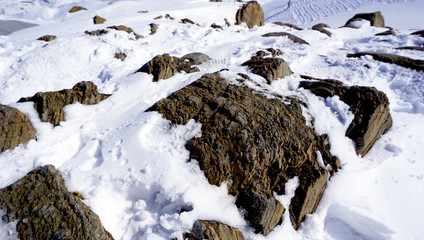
45, 209
49, 105
213, 230
253, 143
251, 13
15, 128
370, 108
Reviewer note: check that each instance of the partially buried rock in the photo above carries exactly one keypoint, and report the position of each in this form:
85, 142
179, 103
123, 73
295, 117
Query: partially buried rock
321, 27
369, 106
288, 25
406, 62
47, 38
165, 66
98, 20
214, 25
153, 28
250, 13
125, 29
76, 9
254, 144
49, 105
45, 209
99, 32
121, 56
419, 33
417, 48
387, 33
186, 20
376, 19
290, 36
269, 68
15, 128
196, 58
213, 230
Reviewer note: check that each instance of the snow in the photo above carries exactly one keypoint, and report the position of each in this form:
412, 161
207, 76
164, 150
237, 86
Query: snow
132, 166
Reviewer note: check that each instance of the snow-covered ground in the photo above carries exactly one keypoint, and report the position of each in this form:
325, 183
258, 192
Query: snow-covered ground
131, 166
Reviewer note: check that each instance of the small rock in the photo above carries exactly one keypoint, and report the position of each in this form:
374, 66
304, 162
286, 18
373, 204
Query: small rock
121, 56
213, 230
158, 17
420, 33
376, 19
76, 9
196, 58
47, 38
226, 22
143, 11
321, 28
411, 48
292, 37
126, 29
214, 25
269, 68
167, 16
98, 20
153, 28
406, 62
215, 0
250, 13
186, 20
288, 25
96, 32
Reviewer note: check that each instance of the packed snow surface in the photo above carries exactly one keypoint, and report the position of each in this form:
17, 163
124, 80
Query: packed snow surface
131, 166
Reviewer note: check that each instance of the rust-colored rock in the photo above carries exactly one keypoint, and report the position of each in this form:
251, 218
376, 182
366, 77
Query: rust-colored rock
213, 230
376, 19
98, 20
269, 68
15, 128
369, 106
250, 13
253, 143
76, 9
290, 36
47, 38
45, 209
165, 66
406, 62
49, 105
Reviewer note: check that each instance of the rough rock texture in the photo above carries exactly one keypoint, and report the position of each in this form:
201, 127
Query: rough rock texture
97, 32
417, 48
376, 18
47, 38
213, 230
49, 105
196, 58
126, 29
387, 33
165, 66
288, 25
369, 106
98, 20
321, 27
269, 68
420, 33
76, 9
292, 37
153, 28
250, 13
45, 209
255, 144
393, 59
15, 128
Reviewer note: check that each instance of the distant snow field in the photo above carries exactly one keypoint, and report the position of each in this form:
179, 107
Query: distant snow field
131, 165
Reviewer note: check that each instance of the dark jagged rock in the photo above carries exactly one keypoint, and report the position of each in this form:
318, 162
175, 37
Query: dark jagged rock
165, 66
49, 105
97, 32
76, 9
376, 19
15, 128
47, 38
45, 209
387, 33
321, 27
214, 25
419, 33
196, 58
292, 37
288, 25
417, 48
98, 20
253, 143
125, 29
153, 28
213, 230
250, 13
406, 62
369, 106
269, 68
121, 56
167, 16
186, 20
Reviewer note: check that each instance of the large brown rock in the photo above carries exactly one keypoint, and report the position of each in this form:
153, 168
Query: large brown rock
406, 62
49, 105
369, 106
269, 68
376, 19
290, 36
213, 230
15, 128
253, 143
45, 209
165, 66
250, 13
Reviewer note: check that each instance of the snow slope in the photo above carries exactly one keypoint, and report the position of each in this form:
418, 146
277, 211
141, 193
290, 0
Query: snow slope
131, 166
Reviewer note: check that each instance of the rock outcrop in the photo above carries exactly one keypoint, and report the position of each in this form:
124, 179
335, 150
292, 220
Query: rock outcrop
126, 29
15, 128
250, 13
213, 230
369, 106
321, 27
376, 19
98, 20
290, 36
269, 68
47, 38
165, 66
45, 209
76, 9
253, 143
49, 105
406, 62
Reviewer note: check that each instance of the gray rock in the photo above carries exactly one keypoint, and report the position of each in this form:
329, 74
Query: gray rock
196, 58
